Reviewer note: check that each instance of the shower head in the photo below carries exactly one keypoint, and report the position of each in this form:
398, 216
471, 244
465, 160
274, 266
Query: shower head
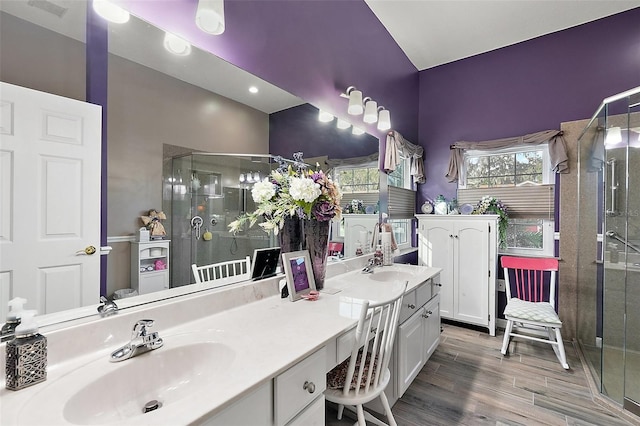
611, 234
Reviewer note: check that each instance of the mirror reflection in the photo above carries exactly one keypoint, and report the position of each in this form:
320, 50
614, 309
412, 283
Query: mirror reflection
162, 108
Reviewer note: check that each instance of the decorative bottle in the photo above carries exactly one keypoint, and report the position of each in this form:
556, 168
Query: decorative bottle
13, 319
26, 355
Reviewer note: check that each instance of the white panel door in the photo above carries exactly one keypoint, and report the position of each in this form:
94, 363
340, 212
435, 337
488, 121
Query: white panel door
50, 150
411, 353
436, 250
471, 269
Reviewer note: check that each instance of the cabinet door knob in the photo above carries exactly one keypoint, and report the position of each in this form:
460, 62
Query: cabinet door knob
425, 316
455, 236
410, 306
429, 313
450, 235
437, 284
309, 387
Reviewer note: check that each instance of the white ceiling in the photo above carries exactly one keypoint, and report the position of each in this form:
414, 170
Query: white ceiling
435, 32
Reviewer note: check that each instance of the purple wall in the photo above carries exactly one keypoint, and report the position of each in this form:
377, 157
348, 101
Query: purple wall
297, 127
520, 89
313, 49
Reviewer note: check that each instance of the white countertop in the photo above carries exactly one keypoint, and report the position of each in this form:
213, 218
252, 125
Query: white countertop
265, 337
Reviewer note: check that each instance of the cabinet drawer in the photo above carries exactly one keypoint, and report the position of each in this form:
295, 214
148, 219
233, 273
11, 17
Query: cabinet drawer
409, 306
436, 285
313, 415
423, 294
290, 395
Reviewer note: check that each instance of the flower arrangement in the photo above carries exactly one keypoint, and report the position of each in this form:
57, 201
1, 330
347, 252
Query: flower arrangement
289, 192
491, 205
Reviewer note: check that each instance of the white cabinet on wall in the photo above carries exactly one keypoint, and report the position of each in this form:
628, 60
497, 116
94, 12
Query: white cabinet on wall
150, 266
465, 247
356, 227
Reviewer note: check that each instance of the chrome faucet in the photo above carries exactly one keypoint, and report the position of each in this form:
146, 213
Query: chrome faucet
141, 342
369, 268
107, 308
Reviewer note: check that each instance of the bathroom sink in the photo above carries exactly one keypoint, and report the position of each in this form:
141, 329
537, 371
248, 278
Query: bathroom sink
390, 275
102, 392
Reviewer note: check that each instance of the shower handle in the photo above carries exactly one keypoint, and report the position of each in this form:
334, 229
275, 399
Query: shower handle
196, 224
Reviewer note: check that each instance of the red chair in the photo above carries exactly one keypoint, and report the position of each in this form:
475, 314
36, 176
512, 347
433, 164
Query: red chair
531, 291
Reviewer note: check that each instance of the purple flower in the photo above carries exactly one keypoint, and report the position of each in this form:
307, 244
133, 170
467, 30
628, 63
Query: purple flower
323, 211
317, 176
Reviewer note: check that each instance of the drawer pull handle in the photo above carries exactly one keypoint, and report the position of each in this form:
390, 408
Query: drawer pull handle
425, 316
309, 387
437, 284
374, 330
410, 306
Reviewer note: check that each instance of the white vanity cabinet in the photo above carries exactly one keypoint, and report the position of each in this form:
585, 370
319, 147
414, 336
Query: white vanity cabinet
293, 398
299, 392
355, 226
465, 247
418, 337
150, 266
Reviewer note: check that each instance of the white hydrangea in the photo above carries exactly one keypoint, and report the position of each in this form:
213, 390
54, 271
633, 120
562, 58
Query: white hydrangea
304, 189
263, 191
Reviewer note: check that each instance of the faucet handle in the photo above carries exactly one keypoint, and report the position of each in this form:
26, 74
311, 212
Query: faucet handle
140, 328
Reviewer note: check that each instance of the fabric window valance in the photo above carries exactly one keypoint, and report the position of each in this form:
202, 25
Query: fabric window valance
397, 146
557, 150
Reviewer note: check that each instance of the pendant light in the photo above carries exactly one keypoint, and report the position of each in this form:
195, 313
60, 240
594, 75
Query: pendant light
370, 111
210, 16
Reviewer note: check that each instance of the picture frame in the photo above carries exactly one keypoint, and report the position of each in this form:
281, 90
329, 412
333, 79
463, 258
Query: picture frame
299, 274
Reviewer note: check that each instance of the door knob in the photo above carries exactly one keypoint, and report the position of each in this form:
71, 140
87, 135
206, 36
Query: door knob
88, 250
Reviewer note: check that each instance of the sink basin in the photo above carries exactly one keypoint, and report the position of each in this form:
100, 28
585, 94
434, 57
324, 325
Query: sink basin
102, 392
391, 275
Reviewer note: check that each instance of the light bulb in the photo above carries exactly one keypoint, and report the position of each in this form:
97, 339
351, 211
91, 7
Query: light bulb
111, 12
324, 116
370, 112
384, 120
241, 178
342, 124
357, 131
355, 103
176, 45
210, 16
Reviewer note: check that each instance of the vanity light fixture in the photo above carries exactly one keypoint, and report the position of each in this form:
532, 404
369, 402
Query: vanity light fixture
324, 116
357, 131
613, 136
253, 89
176, 45
210, 16
370, 111
355, 101
343, 124
111, 12
384, 119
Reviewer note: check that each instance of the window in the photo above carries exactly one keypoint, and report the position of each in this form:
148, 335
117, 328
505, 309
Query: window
521, 177
358, 179
401, 178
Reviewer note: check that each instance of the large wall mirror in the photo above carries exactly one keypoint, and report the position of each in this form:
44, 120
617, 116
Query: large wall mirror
160, 106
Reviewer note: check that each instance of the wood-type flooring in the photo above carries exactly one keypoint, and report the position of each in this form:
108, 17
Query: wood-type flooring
467, 381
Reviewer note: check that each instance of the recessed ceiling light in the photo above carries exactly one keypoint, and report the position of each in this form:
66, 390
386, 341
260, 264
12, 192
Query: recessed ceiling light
253, 89
324, 116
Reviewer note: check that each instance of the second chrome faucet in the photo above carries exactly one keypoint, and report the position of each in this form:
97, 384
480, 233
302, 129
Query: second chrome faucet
141, 341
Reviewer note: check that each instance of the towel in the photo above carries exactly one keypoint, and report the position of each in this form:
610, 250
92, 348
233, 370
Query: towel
386, 227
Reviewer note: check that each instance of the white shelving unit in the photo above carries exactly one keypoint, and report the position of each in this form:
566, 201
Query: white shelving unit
145, 277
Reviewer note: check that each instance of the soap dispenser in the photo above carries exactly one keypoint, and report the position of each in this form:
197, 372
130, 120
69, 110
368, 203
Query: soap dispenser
26, 355
16, 306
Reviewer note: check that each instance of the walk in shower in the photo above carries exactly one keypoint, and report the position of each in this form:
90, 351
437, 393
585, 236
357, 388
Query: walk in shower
609, 248
203, 193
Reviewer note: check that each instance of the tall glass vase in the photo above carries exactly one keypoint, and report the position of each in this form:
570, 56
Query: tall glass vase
317, 240
291, 236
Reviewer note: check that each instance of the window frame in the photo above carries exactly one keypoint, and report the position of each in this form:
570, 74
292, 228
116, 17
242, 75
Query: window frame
548, 177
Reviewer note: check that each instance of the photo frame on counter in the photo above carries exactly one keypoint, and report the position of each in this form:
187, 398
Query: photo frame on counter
299, 274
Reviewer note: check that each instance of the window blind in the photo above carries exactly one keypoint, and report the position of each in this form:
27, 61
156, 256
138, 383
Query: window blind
402, 203
526, 202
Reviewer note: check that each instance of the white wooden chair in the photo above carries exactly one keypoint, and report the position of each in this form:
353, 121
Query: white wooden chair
531, 291
357, 381
223, 273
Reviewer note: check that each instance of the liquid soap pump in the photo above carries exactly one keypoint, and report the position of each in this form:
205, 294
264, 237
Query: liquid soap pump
26, 355
16, 308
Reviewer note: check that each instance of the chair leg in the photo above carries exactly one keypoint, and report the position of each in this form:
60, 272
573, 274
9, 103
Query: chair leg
361, 419
507, 337
562, 357
340, 411
387, 410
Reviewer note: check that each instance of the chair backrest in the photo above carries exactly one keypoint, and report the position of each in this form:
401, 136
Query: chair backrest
530, 278
223, 273
335, 247
381, 320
